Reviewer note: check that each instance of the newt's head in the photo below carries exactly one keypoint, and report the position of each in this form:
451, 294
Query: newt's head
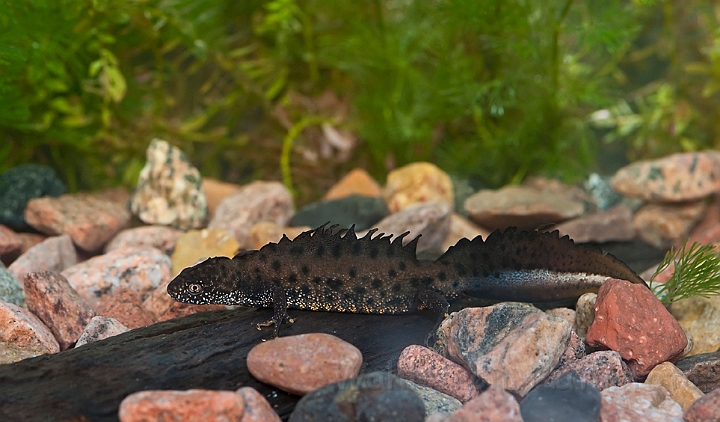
210, 281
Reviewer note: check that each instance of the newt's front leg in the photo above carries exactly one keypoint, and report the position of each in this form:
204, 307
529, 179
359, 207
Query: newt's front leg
280, 314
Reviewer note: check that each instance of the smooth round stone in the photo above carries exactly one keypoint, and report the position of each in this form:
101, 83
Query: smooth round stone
362, 211
21, 184
377, 396
303, 363
565, 399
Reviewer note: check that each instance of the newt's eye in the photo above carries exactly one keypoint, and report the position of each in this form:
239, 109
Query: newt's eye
195, 288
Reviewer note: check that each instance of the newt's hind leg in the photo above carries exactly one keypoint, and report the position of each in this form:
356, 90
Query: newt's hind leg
434, 301
280, 314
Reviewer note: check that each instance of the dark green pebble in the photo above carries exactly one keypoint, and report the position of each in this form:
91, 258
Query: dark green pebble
377, 396
21, 184
362, 211
567, 398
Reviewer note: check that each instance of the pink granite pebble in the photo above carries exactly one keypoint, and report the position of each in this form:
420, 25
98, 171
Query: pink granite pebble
705, 409
664, 225
425, 367
10, 242
511, 345
160, 237
50, 297
677, 177
141, 269
190, 405
257, 408
522, 206
603, 369
52, 254
639, 403
615, 224
88, 220
252, 203
429, 219
100, 328
632, 321
124, 305
303, 363
21, 327
493, 405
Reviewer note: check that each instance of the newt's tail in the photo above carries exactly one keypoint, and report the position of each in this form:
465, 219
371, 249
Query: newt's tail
532, 266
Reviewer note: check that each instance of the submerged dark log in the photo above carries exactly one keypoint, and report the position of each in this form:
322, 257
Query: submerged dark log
206, 350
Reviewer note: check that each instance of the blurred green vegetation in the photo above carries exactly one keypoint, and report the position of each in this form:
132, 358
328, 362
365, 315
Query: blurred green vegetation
494, 90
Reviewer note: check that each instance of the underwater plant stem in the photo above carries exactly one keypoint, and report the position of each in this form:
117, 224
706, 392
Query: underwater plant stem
288, 143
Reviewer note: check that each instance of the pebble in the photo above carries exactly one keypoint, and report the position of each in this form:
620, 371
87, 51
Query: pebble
680, 388
417, 183
565, 313
462, 228
266, 232
664, 225
11, 290
23, 329
257, 408
169, 190
190, 405
197, 245
493, 405
30, 239
433, 400
615, 224
59, 307
602, 369
463, 188
430, 219
707, 230
120, 196
303, 363
631, 320
702, 370
141, 269
676, 177
52, 254
100, 328
255, 202
639, 403
160, 237
701, 317
705, 409
21, 184
88, 220
216, 191
584, 313
377, 397
356, 182
124, 305
425, 367
575, 350
567, 398
525, 207
511, 345
361, 211
10, 242
604, 195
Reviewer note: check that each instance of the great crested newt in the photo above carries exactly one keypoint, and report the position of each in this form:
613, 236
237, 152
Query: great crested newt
328, 270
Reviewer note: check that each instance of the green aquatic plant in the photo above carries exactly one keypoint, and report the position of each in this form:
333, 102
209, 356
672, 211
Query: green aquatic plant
696, 273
